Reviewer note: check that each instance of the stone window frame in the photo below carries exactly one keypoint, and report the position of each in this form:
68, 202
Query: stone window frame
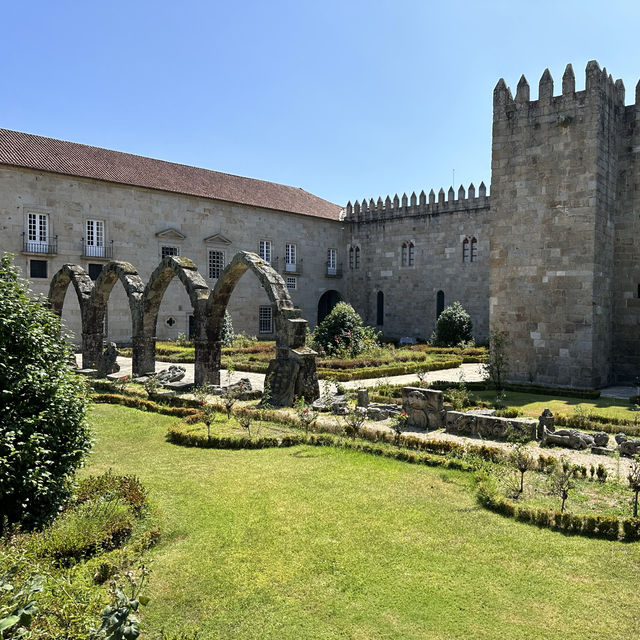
169, 250
291, 282
473, 255
351, 257
290, 256
265, 250
357, 254
265, 319
332, 261
213, 269
96, 228
354, 256
36, 261
408, 254
465, 250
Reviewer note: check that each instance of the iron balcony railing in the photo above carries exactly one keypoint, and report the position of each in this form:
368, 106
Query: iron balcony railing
39, 246
333, 270
104, 252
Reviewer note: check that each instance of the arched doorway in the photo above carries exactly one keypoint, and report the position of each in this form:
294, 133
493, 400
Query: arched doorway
328, 300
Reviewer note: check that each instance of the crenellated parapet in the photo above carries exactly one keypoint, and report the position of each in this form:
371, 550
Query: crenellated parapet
598, 84
418, 205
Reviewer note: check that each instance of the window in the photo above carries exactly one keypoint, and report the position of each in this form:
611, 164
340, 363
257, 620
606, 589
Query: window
439, 303
265, 250
404, 255
380, 309
168, 251
37, 233
412, 252
94, 271
351, 257
292, 282
38, 268
465, 250
357, 257
332, 262
474, 249
265, 320
216, 263
94, 238
290, 257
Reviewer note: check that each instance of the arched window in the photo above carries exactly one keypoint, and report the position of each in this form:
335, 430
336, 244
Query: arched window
439, 303
405, 255
380, 309
412, 251
474, 249
357, 257
350, 257
465, 250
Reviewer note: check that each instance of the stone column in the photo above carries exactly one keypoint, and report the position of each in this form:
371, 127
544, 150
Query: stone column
207, 361
144, 355
91, 349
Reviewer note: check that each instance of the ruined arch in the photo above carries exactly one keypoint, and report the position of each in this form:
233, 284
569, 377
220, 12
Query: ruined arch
197, 290
84, 286
293, 371
127, 274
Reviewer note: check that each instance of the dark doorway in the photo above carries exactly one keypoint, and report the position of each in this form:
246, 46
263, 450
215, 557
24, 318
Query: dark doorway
380, 309
192, 327
439, 303
328, 300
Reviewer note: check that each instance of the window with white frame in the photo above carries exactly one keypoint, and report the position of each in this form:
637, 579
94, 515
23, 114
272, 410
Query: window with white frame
216, 263
290, 257
37, 232
265, 320
94, 239
265, 250
169, 251
292, 282
332, 262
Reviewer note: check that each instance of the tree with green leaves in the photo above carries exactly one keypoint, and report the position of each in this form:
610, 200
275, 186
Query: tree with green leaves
454, 327
497, 367
44, 436
634, 482
342, 332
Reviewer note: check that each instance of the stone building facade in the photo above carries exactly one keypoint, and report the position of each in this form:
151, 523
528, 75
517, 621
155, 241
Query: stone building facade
549, 257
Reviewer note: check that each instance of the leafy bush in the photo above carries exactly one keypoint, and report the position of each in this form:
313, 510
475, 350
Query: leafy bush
453, 327
343, 332
228, 336
43, 433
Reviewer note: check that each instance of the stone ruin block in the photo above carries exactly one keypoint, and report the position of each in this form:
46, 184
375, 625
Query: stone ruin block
488, 426
424, 408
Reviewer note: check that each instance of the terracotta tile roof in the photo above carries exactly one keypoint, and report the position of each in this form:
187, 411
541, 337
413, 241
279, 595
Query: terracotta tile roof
72, 159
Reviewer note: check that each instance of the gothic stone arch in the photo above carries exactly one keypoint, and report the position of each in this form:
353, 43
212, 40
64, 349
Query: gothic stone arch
198, 291
134, 288
293, 371
83, 285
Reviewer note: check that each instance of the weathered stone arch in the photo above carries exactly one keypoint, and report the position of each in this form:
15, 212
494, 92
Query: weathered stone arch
198, 291
83, 285
293, 371
127, 274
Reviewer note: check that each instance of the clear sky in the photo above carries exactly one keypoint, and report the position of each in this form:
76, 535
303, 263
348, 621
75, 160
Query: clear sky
346, 99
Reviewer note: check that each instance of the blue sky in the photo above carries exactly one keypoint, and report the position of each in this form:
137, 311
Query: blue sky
346, 99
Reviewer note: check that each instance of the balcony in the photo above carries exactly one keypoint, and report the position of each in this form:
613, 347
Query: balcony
293, 268
333, 270
42, 247
104, 252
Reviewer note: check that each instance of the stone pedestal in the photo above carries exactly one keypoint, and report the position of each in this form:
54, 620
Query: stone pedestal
143, 361
91, 349
207, 362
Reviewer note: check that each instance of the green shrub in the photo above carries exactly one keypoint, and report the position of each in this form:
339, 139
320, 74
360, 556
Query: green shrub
608, 527
108, 486
453, 327
631, 529
43, 433
343, 332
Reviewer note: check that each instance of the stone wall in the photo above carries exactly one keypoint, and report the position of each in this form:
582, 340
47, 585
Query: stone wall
135, 216
437, 230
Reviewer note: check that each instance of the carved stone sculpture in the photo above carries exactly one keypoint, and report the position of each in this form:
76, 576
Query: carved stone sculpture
174, 373
545, 420
363, 397
424, 408
107, 363
569, 438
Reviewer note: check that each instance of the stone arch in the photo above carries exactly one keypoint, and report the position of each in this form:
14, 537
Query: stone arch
293, 371
127, 274
84, 286
327, 301
197, 290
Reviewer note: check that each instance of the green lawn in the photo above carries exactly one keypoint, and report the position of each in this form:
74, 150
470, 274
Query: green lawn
324, 543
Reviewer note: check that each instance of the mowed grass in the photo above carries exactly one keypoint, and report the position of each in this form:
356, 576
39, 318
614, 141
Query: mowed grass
533, 404
324, 543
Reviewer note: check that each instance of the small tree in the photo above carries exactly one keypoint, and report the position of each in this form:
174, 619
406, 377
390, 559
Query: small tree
634, 482
43, 433
354, 419
343, 331
562, 481
306, 416
245, 419
453, 327
227, 336
497, 368
399, 424
523, 461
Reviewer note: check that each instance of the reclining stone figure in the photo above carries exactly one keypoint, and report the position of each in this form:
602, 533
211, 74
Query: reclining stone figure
569, 438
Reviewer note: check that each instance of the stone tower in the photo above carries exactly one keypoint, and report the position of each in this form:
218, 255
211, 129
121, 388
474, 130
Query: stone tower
554, 199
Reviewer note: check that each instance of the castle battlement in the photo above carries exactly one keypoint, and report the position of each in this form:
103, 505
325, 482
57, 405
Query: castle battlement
598, 84
422, 205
